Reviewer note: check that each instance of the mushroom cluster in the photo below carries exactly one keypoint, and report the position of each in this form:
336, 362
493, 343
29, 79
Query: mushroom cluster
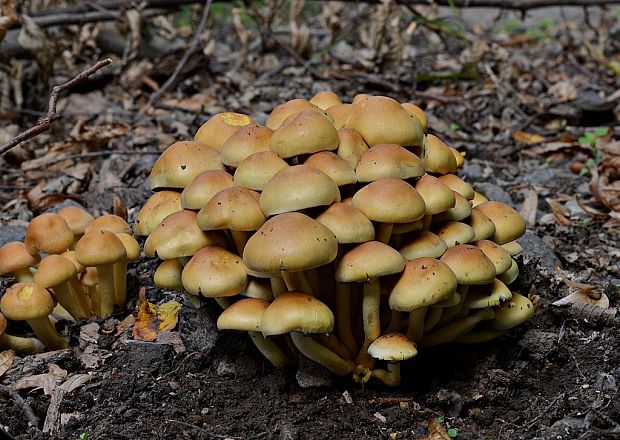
70, 265
338, 231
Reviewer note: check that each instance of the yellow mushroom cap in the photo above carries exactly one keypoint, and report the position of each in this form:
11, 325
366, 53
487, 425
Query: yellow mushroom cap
132, 247
109, 222
214, 272
497, 254
456, 184
334, 166
512, 313
351, 146
296, 312
478, 199
77, 219
340, 114
159, 206
488, 295
99, 247
325, 100
25, 301
244, 315
509, 225
368, 260
258, 169
460, 211
204, 186
181, 162
232, 208
469, 264
305, 132
168, 275
458, 156
14, 256
220, 127
291, 242
513, 247
390, 200
438, 197
422, 244
70, 255
424, 282
283, 111
388, 160
392, 347
437, 157
348, 223
454, 233
511, 274
482, 225
49, 234
54, 270
245, 141
417, 112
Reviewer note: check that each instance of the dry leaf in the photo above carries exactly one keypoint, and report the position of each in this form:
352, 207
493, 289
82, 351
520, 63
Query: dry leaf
75, 381
583, 298
153, 319
559, 212
168, 315
6, 361
436, 431
527, 138
47, 381
530, 207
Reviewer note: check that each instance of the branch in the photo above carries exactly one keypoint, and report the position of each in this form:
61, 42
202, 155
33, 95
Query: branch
21, 403
52, 116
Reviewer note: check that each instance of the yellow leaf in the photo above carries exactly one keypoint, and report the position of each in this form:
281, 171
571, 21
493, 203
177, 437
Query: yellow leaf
152, 319
436, 431
527, 138
168, 315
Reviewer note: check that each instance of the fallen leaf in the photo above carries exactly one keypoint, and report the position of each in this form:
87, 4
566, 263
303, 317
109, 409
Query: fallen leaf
90, 333
583, 298
168, 315
47, 381
560, 213
75, 381
530, 207
6, 361
527, 138
152, 319
436, 431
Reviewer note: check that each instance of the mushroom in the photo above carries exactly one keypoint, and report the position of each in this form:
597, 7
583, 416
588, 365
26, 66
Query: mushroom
478, 199
460, 211
334, 166
283, 111
109, 222
20, 345
168, 275
220, 127
132, 247
455, 233
49, 234
299, 313
457, 328
437, 156
438, 197
512, 313
33, 304
509, 225
393, 348
458, 185
340, 114
511, 274
351, 146
513, 248
258, 169
388, 160
16, 261
482, 225
422, 244
159, 206
244, 142
417, 112
77, 219
305, 132
325, 99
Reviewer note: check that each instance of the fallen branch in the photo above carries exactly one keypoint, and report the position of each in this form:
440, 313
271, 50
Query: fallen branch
21, 403
52, 116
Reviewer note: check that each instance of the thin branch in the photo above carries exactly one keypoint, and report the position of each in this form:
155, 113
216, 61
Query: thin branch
21, 403
52, 115
190, 51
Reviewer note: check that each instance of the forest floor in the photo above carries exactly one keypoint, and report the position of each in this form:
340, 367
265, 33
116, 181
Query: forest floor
529, 108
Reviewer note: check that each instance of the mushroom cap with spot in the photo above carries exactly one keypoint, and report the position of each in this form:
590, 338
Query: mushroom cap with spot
469, 264
214, 272
204, 186
49, 234
168, 275
498, 255
438, 197
404, 204
482, 225
460, 211
488, 295
368, 260
348, 223
181, 162
291, 242
454, 233
423, 282
15, 256
26, 301
99, 247
382, 120
245, 141
109, 222
392, 347
298, 187
219, 128
325, 99
334, 166
159, 206
234, 208
296, 312
512, 313
244, 315
54, 270
456, 184
283, 111
77, 218
422, 244
360, 97
351, 146
437, 157
258, 169
388, 160
509, 225
305, 132
417, 112
340, 114
178, 235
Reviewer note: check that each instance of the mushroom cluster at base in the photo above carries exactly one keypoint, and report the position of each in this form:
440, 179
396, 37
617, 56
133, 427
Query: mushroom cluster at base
337, 231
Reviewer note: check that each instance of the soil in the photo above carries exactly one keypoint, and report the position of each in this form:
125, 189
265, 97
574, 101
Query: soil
556, 376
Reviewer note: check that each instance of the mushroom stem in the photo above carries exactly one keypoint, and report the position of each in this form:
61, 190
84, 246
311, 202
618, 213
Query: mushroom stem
46, 332
240, 238
66, 298
23, 275
80, 296
457, 328
391, 376
296, 281
384, 232
120, 283
343, 316
449, 313
396, 321
372, 320
432, 318
20, 345
278, 286
426, 222
223, 302
270, 350
415, 330
105, 273
332, 342
322, 355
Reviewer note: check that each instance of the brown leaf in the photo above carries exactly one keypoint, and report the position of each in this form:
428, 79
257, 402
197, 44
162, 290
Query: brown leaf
145, 327
560, 214
6, 361
527, 138
436, 431
530, 207
75, 381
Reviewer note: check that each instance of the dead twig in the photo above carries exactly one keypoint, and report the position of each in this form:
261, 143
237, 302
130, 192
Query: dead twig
52, 115
21, 403
188, 53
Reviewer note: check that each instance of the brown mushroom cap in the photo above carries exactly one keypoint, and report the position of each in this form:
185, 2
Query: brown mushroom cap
456, 184
214, 272
368, 260
258, 169
512, 313
283, 111
245, 141
244, 315
481, 224
159, 206
296, 312
203, 187
509, 225
437, 157
348, 223
455, 233
405, 204
334, 166
469, 264
305, 132
325, 100
70, 255
417, 112
49, 234
340, 114
219, 128
488, 295
460, 211
458, 156
181, 162
178, 235
382, 120
478, 199
99, 247
14, 257
424, 282
25, 301
388, 160
351, 146
298, 187
54, 270
291, 242
497, 254
392, 347
234, 208
109, 222
168, 275
132, 247
513, 248
438, 197
422, 244
77, 219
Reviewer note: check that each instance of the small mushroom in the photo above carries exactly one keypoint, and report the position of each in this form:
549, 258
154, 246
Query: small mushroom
16, 261
20, 345
49, 234
393, 348
220, 127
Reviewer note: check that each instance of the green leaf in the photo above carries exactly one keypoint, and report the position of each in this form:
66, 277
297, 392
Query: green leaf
601, 131
440, 419
452, 433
